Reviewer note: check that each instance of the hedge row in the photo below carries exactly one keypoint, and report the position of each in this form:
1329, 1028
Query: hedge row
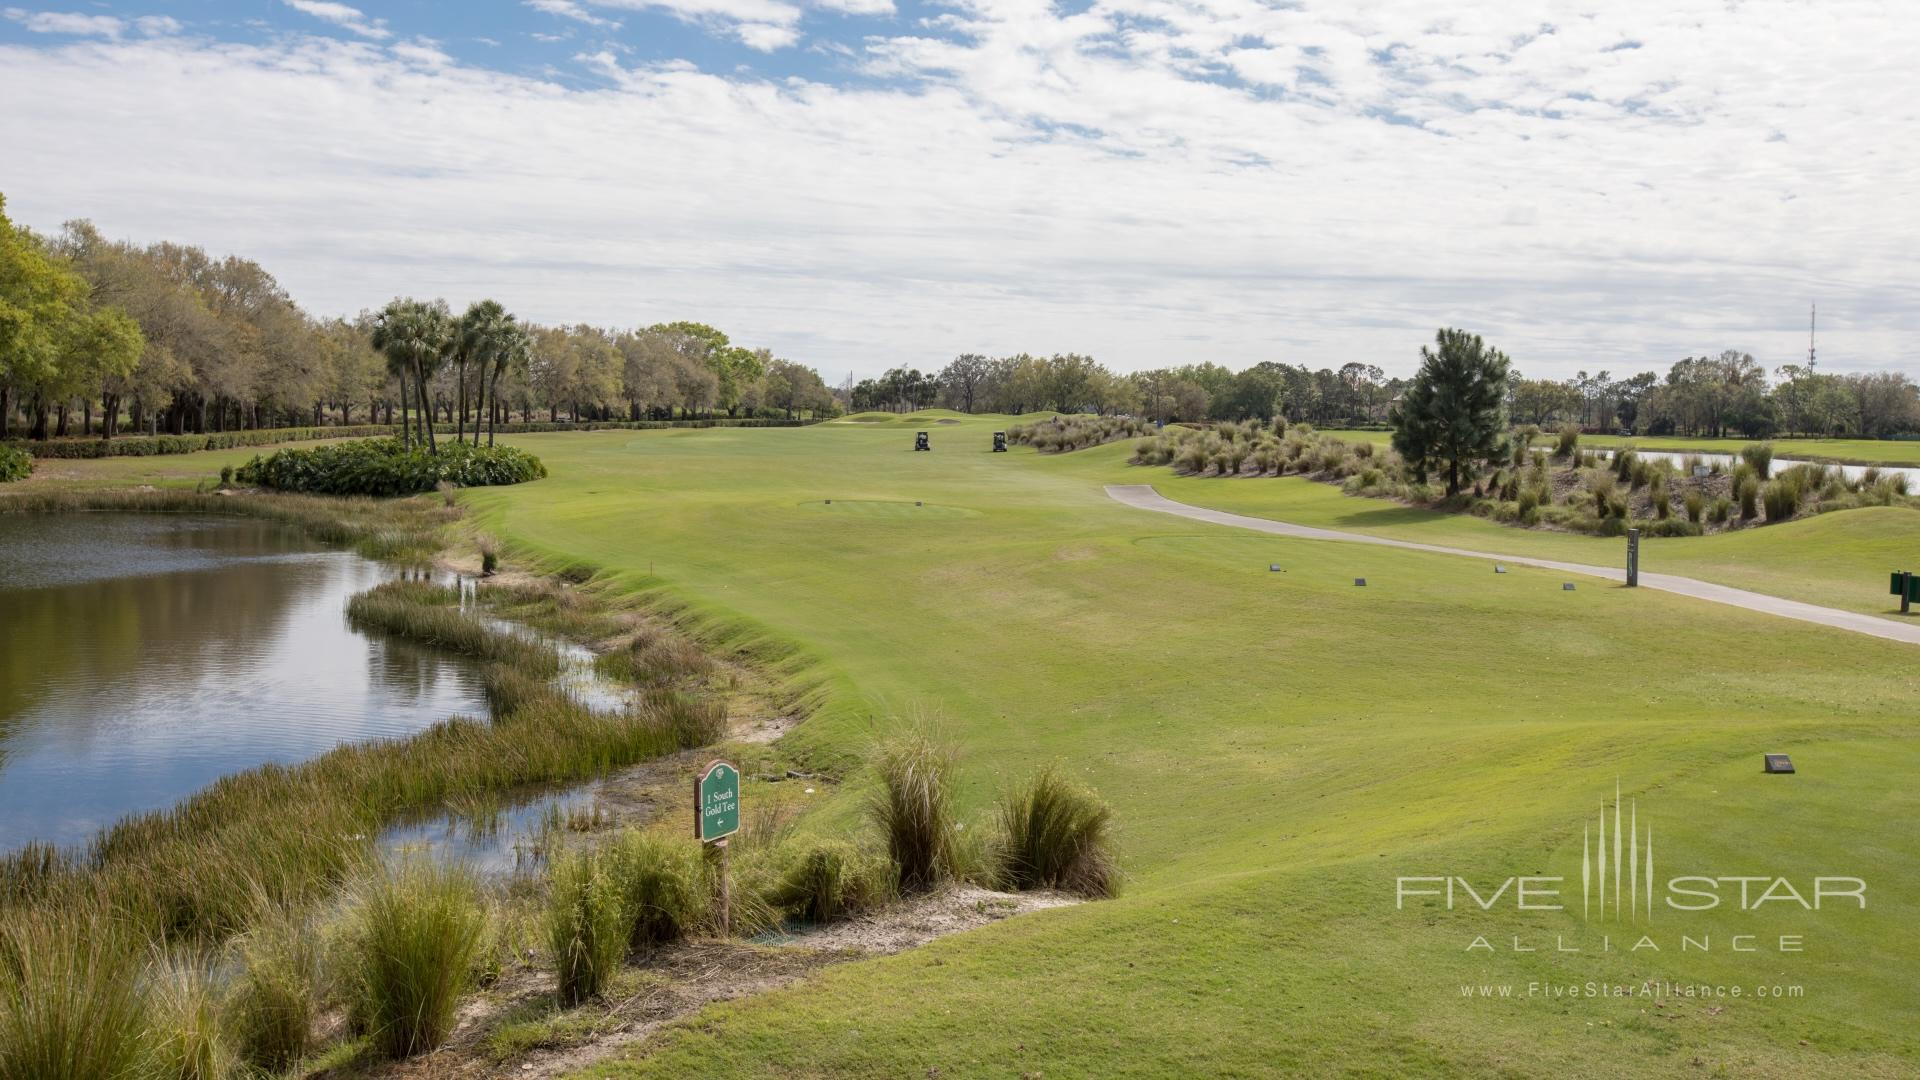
384, 467
151, 445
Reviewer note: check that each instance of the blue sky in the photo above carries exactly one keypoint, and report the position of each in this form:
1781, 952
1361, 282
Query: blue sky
863, 183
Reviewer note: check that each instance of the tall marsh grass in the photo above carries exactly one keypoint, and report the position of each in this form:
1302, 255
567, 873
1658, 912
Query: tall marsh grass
276, 993
586, 925
414, 933
73, 998
661, 885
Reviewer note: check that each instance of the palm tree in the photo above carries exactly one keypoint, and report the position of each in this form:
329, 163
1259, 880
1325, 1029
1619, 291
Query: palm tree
415, 336
484, 330
515, 352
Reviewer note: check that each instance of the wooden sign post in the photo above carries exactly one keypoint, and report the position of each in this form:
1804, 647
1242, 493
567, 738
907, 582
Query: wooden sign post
716, 816
1633, 558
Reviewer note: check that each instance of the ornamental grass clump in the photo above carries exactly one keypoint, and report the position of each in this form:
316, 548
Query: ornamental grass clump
830, 879
586, 925
276, 993
74, 1003
914, 807
413, 934
1782, 497
1758, 457
1057, 834
660, 883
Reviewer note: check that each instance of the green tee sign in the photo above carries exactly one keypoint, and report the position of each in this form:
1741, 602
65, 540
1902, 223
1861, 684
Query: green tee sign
716, 802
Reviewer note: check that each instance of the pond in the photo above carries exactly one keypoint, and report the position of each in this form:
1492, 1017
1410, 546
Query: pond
1727, 461
142, 657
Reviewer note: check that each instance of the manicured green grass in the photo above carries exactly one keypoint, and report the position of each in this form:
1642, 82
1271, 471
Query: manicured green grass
1838, 560
1277, 748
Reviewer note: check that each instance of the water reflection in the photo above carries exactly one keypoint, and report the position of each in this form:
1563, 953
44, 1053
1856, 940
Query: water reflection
143, 657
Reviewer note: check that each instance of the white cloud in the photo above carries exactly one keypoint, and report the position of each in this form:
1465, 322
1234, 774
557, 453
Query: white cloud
158, 25
346, 18
57, 22
766, 37
568, 9
1031, 178
857, 7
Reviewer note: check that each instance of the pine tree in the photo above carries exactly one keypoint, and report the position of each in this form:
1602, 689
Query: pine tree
1454, 415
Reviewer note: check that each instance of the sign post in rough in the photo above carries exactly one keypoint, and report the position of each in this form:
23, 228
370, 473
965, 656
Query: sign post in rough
1907, 587
1633, 558
716, 816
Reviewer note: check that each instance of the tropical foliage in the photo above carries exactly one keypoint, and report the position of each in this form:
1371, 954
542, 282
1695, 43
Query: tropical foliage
15, 464
389, 467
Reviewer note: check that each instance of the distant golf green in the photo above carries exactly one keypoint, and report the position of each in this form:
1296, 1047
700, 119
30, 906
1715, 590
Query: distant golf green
1280, 748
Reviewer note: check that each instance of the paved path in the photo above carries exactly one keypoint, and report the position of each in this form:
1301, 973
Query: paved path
1145, 498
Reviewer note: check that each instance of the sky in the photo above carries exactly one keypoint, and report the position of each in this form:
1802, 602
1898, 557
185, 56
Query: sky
860, 184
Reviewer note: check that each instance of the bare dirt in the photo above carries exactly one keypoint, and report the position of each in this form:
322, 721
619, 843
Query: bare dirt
679, 980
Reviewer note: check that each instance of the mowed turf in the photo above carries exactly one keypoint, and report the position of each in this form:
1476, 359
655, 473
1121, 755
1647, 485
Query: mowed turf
1837, 560
1278, 747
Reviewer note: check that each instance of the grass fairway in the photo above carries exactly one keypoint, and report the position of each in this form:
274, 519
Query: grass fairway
1837, 560
1279, 748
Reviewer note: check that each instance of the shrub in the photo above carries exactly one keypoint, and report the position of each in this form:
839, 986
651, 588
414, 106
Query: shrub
72, 1000
384, 467
1569, 441
1657, 491
661, 886
1057, 834
586, 926
15, 464
832, 878
1696, 505
1759, 457
276, 992
1721, 510
914, 807
1067, 433
414, 933
1672, 527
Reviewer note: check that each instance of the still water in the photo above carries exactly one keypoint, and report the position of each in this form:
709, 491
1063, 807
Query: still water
142, 657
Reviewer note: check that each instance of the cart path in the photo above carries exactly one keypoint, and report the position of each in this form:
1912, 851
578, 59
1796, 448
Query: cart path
1143, 497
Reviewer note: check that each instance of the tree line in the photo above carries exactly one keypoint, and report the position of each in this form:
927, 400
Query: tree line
1072, 383
1725, 394
99, 335
1721, 395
